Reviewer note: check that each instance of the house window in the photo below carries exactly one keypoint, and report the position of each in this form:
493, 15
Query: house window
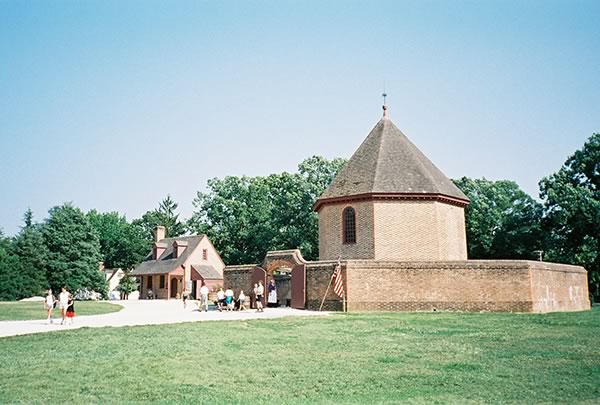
149, 283
162, 281
349, 225
204, 254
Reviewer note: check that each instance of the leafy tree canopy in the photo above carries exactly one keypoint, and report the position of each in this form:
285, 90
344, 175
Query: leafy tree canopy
247, 216
502, 221
122, 244
572, 218
164, 215
73, 250
32, 253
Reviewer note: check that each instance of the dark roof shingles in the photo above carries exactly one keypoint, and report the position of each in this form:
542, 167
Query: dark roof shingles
388, 162
166, 263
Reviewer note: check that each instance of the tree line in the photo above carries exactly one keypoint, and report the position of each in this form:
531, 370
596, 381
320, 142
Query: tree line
247, 216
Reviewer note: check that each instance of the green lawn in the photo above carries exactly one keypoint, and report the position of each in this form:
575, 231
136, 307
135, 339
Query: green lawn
21, 311
423, 358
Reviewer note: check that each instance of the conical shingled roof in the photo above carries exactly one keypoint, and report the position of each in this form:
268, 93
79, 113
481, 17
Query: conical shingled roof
387, 162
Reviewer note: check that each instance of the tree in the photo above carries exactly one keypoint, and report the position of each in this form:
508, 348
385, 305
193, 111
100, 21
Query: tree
572, 212
73, 250
502, 221
10, 267
32, 253
247, 216
164, 215
127, 285
122, 244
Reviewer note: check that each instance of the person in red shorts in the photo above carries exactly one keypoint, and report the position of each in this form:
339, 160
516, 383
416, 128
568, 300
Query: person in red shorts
71, 310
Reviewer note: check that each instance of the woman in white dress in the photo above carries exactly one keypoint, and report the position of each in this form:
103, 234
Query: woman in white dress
272, 298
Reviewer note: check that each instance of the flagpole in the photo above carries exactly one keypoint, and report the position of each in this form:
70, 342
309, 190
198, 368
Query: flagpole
326, 291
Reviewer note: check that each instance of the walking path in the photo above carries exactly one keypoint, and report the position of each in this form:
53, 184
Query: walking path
144, 312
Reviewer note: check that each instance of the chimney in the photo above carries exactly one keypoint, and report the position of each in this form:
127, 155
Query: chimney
159, 233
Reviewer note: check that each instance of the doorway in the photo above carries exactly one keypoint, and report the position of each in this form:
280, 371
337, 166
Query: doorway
173, 288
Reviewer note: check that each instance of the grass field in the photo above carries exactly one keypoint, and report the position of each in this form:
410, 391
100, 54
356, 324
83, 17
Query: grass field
358, 358
22, 311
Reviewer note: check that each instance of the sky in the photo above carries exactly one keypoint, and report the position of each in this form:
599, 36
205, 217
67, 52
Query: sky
112, 105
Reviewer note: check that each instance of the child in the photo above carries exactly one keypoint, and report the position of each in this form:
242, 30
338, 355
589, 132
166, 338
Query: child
242, 300
71, 309
49, 305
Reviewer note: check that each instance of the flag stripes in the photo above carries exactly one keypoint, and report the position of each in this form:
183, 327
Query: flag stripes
338, 282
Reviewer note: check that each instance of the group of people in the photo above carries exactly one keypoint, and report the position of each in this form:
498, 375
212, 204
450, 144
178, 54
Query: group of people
66, 305
226, 299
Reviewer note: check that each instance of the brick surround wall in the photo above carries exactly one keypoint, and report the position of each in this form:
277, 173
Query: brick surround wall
473, 285
468, 285
558, 287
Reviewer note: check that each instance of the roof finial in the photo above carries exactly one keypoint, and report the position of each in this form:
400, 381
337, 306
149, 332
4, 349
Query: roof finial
384, 105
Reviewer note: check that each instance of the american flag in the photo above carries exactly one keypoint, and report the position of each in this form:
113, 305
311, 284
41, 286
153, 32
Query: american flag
338, 282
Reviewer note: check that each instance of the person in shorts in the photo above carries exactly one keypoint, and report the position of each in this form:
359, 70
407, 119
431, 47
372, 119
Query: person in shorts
220, 299
63, 304
71, 310
49, 304
242, 300
260, 290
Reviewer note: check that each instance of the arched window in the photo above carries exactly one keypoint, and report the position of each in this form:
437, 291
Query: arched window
349, 225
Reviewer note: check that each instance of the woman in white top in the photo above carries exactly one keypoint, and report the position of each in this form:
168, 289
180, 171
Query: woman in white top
63, 302
49, 305
204, 298
260, 290
229, 299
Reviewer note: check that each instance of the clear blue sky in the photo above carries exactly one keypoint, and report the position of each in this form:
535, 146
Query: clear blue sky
115, 104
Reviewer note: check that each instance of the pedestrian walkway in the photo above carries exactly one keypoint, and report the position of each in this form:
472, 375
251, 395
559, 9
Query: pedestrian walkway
146, 312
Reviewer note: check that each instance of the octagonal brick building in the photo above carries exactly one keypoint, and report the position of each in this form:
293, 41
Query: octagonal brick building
390, 202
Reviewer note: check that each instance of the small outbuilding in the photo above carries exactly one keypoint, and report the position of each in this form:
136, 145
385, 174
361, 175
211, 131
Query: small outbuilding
177, 264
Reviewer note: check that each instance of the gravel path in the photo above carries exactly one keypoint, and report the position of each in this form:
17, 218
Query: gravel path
146, 312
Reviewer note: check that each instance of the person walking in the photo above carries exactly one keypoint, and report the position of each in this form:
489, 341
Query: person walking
204, 298
260, 290
71, 309
253, 297
184, 296
242, 300
49, 304
63, 304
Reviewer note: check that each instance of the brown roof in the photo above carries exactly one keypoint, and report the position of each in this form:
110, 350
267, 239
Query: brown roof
166, 263
388, 162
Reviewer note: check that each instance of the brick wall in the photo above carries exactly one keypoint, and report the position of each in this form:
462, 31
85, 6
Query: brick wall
330, 232
558, 287
468, 285
318, 275
395, 230
474, 285
452, 232
419, 230
238, 278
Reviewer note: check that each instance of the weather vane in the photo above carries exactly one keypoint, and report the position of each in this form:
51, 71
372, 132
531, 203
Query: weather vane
384, 96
